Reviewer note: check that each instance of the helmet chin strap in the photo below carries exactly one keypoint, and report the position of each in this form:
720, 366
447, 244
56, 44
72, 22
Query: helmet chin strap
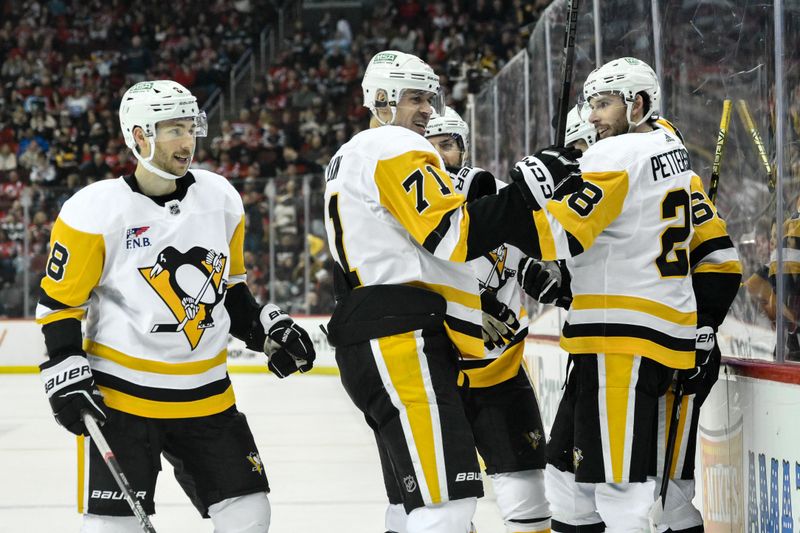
378, 118
154, 169
631, 124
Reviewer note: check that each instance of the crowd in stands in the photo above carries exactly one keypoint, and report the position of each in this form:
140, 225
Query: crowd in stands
64, 65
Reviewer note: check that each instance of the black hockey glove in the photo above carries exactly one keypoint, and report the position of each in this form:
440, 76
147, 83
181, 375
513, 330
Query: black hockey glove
70, 388
545, 281
287, 345
549, 174
706, 360
499, 322
473, 182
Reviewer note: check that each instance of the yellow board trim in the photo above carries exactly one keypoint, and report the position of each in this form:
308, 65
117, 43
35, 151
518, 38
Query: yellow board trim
505, 367
400, 354
155, 409
155, 367
728, 267
81, 471
629, 345
618, 370
634, 303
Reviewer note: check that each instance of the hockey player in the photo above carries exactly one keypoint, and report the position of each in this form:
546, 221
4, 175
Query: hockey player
716, 274
498, 397
407, 303
154, 263
632, 319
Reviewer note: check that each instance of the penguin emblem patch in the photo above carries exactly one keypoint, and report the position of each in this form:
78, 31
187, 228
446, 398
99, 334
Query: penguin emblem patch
190, 284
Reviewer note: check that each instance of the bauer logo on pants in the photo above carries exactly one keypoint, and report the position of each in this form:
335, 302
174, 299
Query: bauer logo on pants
191, 284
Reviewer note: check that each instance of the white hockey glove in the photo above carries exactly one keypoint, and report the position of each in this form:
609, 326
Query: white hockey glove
70, 388
549, 174
287, 345
474, 182
499, 322
545, 281
706, 359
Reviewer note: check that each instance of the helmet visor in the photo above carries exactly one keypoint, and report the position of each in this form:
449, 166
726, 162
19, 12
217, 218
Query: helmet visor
175, 128
435, 100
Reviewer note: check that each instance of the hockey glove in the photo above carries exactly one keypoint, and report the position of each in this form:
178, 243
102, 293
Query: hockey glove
70, 388
706, 359
549, 174
499, 322
474, 182
545, 281
287, 345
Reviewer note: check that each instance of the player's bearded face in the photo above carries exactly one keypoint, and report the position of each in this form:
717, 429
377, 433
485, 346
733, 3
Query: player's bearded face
448, 148
414, 110
608, 115
175, 143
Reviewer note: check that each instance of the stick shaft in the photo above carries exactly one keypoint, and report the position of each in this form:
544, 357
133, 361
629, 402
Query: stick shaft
566, 70
750, 126
119, 476
672, 437
722, 136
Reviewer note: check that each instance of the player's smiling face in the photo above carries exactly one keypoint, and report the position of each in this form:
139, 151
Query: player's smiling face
448, 148
414, 110
175, 142
608, 115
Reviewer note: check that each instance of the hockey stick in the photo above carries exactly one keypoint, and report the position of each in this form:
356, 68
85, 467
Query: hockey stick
175, 328
750, 126
566, 70
119, 476
657, 510
722, 136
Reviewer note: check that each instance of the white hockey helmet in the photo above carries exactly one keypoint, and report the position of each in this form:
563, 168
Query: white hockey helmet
579, 127
149, 102
452, 124
626, 76
393, 72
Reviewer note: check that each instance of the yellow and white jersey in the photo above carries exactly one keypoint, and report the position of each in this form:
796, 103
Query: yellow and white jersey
393, 217
711, 248
150, 280
627, 235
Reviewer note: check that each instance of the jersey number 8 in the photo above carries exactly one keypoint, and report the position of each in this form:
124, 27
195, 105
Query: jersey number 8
57, 262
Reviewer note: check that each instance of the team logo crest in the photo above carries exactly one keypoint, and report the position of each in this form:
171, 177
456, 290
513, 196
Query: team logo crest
499, 274
191, 284
255, 460
410, 483
534, 438
577, 457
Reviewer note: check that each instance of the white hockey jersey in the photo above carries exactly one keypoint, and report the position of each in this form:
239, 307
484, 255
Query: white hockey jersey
393, 217
627, 235
150, 280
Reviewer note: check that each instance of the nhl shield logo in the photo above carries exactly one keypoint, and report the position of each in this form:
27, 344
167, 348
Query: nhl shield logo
174, 207
410, 483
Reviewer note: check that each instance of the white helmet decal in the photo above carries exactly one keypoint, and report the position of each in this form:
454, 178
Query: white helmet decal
450, 123
579, 127
393, 72
626, 76
150, 102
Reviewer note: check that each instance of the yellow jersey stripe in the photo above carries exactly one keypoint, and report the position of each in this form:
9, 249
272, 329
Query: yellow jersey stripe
407, 379
547, 243
451, 294
81, 440
156, 409
632, 345
728, 267
505, 367
61, 314
156, 367
236, 245
634, 303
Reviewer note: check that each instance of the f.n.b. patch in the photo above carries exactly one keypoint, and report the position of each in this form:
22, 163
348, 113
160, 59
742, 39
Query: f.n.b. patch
134, 238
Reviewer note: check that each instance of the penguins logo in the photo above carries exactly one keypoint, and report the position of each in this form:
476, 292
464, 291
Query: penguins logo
499, 274
190, 284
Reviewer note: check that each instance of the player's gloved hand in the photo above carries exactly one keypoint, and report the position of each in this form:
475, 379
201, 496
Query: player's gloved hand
473, 182
70, 388
287, 345
499, 322
706, 359
545, 281
548, 174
